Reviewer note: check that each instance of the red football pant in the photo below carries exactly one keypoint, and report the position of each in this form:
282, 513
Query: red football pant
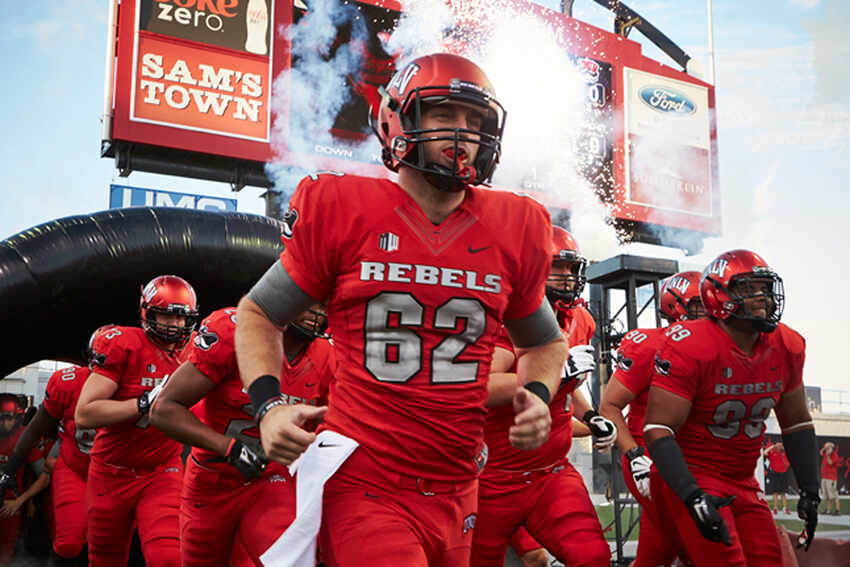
755, 542
654, 546
216, 510
555, 509
372, 516
118, 499
68, 492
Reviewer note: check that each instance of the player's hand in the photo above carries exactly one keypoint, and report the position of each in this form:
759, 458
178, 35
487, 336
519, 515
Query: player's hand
703, 509
146, 400
282, 434
10, 508
532, 421
807, 510
244, 460
603, 430
580, 360
640, 463
7, 482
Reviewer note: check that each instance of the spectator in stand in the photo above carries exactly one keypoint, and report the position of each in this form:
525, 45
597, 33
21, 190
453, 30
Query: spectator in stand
829, 477
777, 477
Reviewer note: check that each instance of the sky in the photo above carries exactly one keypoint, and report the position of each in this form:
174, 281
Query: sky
783, 123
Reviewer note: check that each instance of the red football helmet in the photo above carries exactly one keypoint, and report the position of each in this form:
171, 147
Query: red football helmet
565, 252
435, 79
729, 280
11, 413
171, 295
680, 299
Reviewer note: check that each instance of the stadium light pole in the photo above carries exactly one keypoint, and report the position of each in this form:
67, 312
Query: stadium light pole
710, 43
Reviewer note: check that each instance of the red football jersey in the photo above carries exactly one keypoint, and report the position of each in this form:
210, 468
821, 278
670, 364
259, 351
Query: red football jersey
227, 408
635, 361
60, 401
126, 356
732, 394
415, 310
7, 445
578, 327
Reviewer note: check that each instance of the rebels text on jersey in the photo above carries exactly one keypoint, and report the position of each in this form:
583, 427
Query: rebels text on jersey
578, 327
732, 393
227, 408
415, 310
60, 401
126, 356
633, 369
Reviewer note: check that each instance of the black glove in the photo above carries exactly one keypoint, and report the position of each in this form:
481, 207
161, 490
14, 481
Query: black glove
246, 461
7, 482
602, 428
703, 508
143, 404
807, 510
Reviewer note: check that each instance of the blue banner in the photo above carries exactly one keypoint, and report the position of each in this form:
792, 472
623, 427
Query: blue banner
121, 196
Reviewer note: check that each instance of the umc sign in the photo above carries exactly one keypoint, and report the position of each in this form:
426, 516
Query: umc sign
121, 196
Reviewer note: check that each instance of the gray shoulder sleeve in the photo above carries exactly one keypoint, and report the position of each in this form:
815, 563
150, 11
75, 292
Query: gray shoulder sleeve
278, 296
539, 328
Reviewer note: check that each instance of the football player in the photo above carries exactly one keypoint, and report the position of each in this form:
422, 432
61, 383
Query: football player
420, 274
70, 469
135, 473
679, 300
227, 471
12, 490
540, 490
715, 381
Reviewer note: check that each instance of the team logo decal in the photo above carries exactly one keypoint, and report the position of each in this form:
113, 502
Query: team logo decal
727, 372
388, 242
290, 217
662, 366
402, 78
205, 339
149, 292
151, 368
718, 267
679, 283
469, 523
624, 363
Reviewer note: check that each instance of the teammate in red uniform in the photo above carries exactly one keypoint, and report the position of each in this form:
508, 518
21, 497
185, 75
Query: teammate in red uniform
227, 471
420, 274
679, 300
135, 472
540, 490
12, 493
715, 382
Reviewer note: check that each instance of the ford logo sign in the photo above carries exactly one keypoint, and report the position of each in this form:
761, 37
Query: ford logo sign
665, 99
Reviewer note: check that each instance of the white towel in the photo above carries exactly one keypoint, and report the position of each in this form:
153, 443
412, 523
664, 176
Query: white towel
296, 547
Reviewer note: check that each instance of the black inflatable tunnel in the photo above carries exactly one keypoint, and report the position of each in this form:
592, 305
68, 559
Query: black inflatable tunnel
61, 280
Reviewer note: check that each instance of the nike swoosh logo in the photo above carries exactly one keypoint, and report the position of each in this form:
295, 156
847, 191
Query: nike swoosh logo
370, 495
472, 250
310, 385
322, 445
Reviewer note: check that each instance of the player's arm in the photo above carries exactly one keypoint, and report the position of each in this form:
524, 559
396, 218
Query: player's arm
96, 407
274, 301
12, 507
614, 400
541, 352
798, 437
501, 385
41, 423
665, 413
170, 411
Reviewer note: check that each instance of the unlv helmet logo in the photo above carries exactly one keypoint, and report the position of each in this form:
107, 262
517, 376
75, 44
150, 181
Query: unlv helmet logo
718, 267
150, 291
680, 283
402, 78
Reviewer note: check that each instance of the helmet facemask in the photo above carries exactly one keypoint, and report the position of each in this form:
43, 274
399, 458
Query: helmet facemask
176, 335
765, 285
312, 324
559, 292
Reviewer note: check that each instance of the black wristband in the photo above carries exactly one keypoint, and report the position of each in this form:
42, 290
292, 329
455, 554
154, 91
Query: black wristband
13, 464
671, 465
802, 452
588, 414
540, 389
262, 390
